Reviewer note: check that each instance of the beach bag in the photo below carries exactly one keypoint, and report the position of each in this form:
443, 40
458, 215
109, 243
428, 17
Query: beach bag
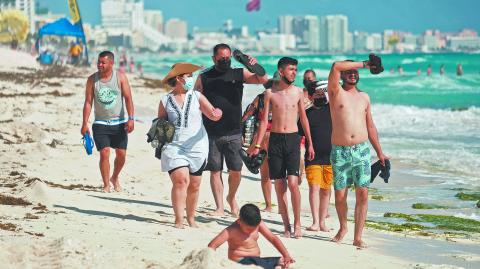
161, 132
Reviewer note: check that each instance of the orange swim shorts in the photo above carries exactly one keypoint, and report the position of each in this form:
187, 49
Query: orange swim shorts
320, 175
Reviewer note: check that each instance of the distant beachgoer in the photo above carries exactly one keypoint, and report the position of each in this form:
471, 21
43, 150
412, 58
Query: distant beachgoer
242, 237
419, 72
400, 70
459, 70
319, 170
429, 70
286, 101
140, 69
107, 90
186, 156
121, 68
352, 126
392, 70
442, 70
223, 87
75, 52
131, 65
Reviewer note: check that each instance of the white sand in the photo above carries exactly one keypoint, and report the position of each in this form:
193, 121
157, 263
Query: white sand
81, 228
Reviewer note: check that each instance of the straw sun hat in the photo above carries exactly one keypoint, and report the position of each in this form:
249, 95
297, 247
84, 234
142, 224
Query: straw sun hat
179, 69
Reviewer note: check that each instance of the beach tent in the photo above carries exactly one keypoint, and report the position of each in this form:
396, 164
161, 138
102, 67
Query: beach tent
61, 27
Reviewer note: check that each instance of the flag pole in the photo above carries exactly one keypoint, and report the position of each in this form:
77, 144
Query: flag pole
77, 18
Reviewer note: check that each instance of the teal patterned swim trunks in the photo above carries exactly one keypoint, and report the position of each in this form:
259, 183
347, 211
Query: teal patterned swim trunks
351, 165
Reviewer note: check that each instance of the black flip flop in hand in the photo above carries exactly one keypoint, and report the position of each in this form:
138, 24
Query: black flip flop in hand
245, 61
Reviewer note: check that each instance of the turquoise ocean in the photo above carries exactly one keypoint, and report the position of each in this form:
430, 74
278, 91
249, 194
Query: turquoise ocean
428, 125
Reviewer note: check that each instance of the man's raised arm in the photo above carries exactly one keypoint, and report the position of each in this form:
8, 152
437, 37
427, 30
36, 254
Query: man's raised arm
335, 74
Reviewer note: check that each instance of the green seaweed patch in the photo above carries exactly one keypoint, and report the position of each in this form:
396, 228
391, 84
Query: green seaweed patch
429, 206
377, 197
392, 227
451, 223
440, 221
473, 196
400, 216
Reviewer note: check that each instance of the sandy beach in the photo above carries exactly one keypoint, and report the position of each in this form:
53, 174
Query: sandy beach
64, 220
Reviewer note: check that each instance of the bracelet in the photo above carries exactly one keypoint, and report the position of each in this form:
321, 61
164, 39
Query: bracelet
364, 64
131, 118
257, 146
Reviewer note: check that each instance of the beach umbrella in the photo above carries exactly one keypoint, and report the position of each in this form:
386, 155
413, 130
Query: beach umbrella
13, 26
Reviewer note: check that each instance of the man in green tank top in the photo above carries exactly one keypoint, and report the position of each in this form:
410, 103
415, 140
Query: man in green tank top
107, 90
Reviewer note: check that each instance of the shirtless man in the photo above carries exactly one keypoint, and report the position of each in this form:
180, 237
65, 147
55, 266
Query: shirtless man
284, 145
242, 237
352, 126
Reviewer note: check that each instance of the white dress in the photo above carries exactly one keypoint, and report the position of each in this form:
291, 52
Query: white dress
190, 143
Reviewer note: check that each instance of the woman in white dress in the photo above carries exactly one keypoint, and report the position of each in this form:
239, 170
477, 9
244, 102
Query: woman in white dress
186, 156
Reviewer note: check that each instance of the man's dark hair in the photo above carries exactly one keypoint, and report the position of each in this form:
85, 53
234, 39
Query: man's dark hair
250, 215
220, 46
284, 61
309, 71
106, 53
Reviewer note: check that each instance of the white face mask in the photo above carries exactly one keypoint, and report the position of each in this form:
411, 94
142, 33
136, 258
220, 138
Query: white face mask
188, 84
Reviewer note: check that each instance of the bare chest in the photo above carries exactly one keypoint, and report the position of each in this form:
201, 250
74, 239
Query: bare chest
350, 103
283, 102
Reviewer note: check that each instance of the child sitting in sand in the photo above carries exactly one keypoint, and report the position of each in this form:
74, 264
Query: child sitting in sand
242, 238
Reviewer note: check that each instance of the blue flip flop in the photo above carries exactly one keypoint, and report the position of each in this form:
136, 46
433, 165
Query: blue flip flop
88, 143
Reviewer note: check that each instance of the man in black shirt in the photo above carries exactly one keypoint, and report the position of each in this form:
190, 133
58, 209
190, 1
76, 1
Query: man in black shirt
319, 170
223, 87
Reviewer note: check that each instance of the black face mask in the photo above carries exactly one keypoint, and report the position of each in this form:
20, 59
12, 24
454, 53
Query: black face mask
318, 102
287, 81
223, 65
306, 82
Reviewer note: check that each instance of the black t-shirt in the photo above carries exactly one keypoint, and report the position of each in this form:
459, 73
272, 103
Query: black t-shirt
320, 123
224, 91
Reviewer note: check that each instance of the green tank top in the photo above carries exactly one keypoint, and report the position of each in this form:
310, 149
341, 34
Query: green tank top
108, 99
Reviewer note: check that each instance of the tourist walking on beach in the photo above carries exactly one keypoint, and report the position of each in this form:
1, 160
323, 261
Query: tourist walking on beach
319, 170
107, 89
352, 126
186, 156
257, 108
308, 76
286, 101
223, 87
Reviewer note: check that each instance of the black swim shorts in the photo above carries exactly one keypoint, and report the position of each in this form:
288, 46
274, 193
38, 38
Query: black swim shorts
113, 136
283, 155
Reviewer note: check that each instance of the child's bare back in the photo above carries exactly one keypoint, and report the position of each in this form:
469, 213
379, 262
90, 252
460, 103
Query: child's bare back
241, 244
242, 237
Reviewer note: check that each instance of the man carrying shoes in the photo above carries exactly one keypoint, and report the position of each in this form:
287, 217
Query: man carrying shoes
223, 87
352, 126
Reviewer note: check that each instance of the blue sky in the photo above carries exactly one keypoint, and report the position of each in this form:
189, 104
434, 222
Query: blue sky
364, 15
